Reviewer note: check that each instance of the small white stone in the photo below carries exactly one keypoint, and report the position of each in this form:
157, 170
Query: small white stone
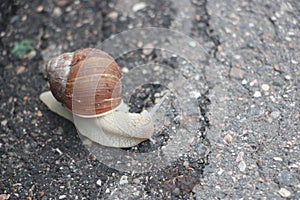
137, 193
139, 44
124, 180
186, 164
62, 196
278, 159
139, 6
59, 151
273, 18
242, 166
257, 94
99, 182
284, 192
57, 12
113, 15
288, 77
265, 87
252, 83
192, 44
220, 172
156, 68
275, 114
4, 122
125, 70
244, 82
195, 94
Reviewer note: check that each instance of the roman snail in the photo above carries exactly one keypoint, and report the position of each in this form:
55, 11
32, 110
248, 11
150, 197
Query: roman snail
86, 89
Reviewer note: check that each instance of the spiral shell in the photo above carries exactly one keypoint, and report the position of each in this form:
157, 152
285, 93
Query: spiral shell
86, 81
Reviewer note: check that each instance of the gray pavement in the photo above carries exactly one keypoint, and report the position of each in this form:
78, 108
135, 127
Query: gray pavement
254, 92
255, 143
242, 63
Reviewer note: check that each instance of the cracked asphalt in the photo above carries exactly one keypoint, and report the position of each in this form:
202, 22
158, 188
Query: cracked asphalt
256, 153
245, 83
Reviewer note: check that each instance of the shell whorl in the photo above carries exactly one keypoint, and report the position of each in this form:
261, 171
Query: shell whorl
87, 81
58, 69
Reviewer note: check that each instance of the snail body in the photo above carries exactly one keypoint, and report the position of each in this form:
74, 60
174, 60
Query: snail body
86, 89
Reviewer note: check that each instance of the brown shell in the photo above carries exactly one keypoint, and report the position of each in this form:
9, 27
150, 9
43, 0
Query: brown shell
87, 81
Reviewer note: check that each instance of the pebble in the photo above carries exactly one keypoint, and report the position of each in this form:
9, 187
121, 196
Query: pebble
257, 94
252, 83
140, 44
228, 139
20, 69
220, 172
4, 122
57, 12
186, 164
192, 44
124, 180
62, 3
62, 196
99, 182
242, 166
39, 113
276, 68
113, 15
136, 181
125, 70
156, 68
39, 8
240, 157
4, 196
278, 159
244, 82
288, 77
137, 193
275, 114
139, 6
284, 192
59, 151
265, 87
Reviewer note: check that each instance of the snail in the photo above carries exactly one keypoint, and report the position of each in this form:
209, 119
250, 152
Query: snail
86, 89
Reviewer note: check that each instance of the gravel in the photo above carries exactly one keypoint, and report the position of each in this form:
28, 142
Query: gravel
241, 60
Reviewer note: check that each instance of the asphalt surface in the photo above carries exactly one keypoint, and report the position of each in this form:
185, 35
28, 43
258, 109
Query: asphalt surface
242, 63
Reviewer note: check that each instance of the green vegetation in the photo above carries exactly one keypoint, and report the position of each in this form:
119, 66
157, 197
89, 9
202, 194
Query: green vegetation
22, 47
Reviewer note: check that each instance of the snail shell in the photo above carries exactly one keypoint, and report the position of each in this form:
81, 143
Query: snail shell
86, 89
86, 81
